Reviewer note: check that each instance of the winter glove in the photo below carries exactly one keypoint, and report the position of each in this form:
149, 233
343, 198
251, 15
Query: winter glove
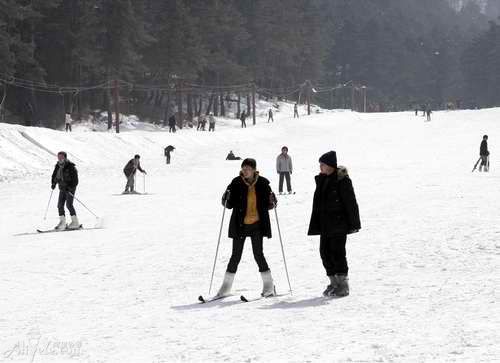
225, 197
273, 201
352, 231
144, 172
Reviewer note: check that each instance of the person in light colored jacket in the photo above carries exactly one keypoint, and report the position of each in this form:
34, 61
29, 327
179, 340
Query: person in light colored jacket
284, 168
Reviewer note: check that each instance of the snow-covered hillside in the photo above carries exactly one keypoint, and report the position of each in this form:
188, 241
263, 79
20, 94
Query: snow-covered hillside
424, 270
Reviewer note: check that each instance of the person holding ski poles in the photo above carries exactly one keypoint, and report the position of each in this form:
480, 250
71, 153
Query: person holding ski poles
335, 214
66, 176
484, 154
250, 197
284, 169
129, 170
243, 118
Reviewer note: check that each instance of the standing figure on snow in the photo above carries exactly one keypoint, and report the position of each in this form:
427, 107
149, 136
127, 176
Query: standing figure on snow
171, 124
485, 155
68, 122
129, 170
428, 113
335, 214
270, 115
284, 169
243, 118
296, 111
211, 122
200, 122
168, 150
66, 176
250, 197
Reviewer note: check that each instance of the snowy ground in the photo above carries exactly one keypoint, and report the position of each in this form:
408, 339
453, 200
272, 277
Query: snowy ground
424, 271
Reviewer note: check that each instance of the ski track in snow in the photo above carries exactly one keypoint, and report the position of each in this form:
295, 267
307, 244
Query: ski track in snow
424, 270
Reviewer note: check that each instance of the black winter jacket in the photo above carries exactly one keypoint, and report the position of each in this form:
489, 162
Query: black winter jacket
483, 150
335, 210
238, 203
69, 179
129, 169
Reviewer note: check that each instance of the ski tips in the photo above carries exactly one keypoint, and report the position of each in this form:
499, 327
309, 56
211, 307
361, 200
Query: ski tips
201, 299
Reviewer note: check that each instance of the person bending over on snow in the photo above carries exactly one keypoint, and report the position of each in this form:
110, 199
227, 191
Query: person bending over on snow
231, 156
169, 149
335, 214
250, 197
484, 153
129, 170
66, 176
284, 169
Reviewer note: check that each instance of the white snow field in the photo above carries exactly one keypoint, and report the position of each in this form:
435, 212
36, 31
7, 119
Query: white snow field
424, 270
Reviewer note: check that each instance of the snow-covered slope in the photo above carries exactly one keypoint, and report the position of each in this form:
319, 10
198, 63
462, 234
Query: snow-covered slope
424, 270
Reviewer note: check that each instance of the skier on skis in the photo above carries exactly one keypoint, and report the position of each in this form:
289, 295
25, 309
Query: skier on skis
129, 170
168, 150
250, 197
335, 214
66, 176
485, 154
284, 169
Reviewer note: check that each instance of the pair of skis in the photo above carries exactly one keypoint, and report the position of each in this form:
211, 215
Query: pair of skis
243, 298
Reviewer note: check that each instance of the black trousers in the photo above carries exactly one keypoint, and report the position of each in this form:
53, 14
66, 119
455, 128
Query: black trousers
65, 197
285, 175
168, 158
252, 231
211, 127
333, 254
243, 124
68, 127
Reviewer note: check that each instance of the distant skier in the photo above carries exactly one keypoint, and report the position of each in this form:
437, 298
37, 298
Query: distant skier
335, 214
250, 197
200, 122
428, 112
68, 122
485, 155
169, 149
172, 124
130, 169
295, 111
231, 156
66, 176
416, 111
211, 122
270, 115
243, 118
284, 169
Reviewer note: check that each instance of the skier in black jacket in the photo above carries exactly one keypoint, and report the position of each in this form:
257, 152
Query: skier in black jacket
250, 197
66, 176
485, 154
335, 214
172, 124
129, 170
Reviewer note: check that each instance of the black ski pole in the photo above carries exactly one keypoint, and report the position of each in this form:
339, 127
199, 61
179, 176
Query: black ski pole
282, 248
227, 194
79, 201
475, 166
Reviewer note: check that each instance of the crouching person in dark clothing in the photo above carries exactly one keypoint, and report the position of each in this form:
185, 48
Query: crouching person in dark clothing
250, 197
66, 176
335, 214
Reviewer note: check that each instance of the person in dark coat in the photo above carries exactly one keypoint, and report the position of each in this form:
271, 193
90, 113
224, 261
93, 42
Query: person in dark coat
296, 111
129, 170
270, 116
66, 176
231, 156
171, 124
485, 154
428, 112
335, 214
250, 197
169, 149
243, 118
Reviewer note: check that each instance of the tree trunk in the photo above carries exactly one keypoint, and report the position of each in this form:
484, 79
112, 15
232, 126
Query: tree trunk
167, 110
210, 103
238, 106
190, 107
180, 118
222, 108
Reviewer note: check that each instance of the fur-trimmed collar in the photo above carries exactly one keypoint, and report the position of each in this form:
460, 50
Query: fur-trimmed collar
342, 172
246, 182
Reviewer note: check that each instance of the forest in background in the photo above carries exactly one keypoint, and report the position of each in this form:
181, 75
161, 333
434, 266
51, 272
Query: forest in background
200, 56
